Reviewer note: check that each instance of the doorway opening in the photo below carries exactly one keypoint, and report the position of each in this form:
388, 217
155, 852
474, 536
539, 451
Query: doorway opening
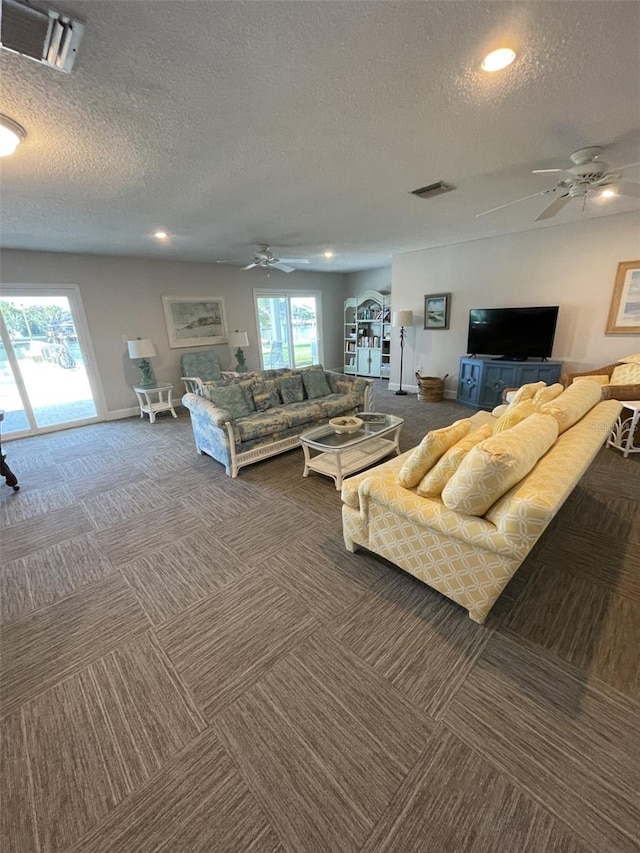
288, 328
46, 376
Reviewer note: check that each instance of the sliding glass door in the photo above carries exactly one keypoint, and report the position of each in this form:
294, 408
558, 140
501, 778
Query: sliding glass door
288, 328
45, 376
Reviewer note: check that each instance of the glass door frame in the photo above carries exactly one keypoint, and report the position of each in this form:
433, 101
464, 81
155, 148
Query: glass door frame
72, 293
281, 293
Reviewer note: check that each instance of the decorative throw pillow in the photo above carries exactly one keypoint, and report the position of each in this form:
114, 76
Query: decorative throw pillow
600, 378
430, 449
246, 386
315, 383
265, 395
229, 397
544, 395
526, 392
630, 359
625, 374
515, 413
499, 410
574, 402
292, 389
493, 467
437, 478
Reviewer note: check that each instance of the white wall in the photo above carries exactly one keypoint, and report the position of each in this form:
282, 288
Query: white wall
573, 266
122, 296
357, 282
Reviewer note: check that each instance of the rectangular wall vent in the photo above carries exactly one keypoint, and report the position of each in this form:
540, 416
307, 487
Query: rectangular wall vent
433, 189
51, 38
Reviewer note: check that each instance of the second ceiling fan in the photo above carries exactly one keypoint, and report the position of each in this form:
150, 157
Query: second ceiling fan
586, 174
265, 258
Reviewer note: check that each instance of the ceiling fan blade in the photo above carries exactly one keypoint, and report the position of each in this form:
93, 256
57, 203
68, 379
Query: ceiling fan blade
555, 206
250, 266
627, 166
294, 260
509, 203
283, 267
545, 171
625, 188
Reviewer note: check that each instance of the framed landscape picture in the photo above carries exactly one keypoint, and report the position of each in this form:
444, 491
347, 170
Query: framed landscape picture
624, 313
195, 321
436, 310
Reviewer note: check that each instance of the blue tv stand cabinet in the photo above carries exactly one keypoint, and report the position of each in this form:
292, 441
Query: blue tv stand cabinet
482, 379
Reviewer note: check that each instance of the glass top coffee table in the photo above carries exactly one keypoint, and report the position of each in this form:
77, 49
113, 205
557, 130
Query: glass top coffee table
338, 455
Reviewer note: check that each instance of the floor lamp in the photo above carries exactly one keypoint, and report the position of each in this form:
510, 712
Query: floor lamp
402, 319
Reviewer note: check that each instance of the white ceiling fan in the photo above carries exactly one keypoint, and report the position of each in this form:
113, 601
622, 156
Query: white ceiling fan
265, 258
587, 174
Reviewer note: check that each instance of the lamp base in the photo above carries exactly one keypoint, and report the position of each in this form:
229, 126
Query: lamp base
401, 393
147, 378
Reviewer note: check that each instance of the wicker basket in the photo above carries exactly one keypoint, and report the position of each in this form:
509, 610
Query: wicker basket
430, 388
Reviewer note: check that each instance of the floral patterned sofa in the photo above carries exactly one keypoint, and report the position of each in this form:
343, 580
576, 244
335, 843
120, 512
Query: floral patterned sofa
243, 419
470, 552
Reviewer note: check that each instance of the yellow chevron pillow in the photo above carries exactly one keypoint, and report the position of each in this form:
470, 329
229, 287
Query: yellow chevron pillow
526, 392
493, 467
573, 403
600, 378
499, 410
546, 394
515, 413
437, 478
430, 449
625, 374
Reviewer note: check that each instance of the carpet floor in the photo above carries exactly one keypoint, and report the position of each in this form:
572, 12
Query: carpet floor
194, 663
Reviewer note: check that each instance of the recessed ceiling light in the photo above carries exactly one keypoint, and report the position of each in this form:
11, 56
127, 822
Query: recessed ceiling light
498, 59
329, 254
608, 194
161, 235
11, 135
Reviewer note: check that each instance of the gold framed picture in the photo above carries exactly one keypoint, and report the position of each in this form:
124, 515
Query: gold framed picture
624, 313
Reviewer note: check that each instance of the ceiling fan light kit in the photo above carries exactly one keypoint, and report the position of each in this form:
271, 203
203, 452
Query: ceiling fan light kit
587, 174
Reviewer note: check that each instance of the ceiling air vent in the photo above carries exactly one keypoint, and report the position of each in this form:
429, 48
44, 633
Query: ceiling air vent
49, 37
433, 189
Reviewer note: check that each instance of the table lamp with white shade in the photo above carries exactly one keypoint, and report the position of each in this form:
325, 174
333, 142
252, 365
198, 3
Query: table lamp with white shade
143, 349
402, 319
238, 340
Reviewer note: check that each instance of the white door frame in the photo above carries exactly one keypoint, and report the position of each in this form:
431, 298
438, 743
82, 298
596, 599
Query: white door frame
72, 293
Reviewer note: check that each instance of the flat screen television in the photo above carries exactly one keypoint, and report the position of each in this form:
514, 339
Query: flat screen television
512, 333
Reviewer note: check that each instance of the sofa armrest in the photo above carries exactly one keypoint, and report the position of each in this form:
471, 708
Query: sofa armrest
567, 378
621, 392
360, 386
204, 408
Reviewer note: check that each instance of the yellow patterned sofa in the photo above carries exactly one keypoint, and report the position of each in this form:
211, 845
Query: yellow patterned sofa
470, 559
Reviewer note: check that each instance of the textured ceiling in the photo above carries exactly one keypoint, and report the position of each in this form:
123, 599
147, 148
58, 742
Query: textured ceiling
305, 124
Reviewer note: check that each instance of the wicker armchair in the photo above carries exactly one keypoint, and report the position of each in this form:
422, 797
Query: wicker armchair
609, 392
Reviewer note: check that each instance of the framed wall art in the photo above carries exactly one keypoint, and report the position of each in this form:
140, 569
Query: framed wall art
624, 313
195, 321
436, 310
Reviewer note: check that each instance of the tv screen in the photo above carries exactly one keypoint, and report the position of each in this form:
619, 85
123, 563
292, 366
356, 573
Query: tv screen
512, 333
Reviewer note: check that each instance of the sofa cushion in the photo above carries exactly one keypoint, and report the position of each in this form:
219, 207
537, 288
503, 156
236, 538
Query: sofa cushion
229, 396
299, 414
437, 478
515, 413
546, 394
573, 403
430, 449
526, 392
292, 389
265, 394
630, 359
315, 383
494, 466
338, 404
261, 424
625, 374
